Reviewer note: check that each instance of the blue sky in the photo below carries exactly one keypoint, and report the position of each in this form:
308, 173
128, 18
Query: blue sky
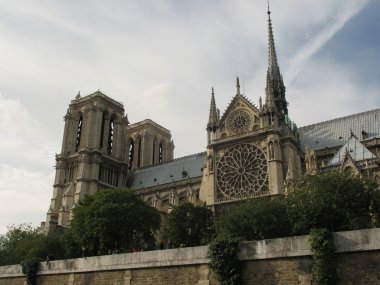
161, 58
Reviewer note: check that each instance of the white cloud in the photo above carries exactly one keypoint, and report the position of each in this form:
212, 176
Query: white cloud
26, 172
23, 140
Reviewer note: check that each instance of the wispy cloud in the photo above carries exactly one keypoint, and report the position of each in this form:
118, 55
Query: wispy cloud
347, 11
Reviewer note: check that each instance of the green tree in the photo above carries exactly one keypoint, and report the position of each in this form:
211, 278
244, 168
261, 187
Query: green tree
255, 219
114, 219
23, 241
189, 225
323, 261
224, 262
335, 200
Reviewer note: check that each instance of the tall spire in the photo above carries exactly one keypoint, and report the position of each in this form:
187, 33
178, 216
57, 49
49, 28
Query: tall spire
213, 120
272, 55
275, 88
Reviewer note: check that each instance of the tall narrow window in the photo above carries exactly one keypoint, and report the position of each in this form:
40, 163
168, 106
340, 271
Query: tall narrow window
79, 133
139, 155
154, 151
131, 154
160, 154
110, 136
102, 130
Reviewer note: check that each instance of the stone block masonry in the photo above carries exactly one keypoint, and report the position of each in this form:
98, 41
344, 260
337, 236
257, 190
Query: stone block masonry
284, 261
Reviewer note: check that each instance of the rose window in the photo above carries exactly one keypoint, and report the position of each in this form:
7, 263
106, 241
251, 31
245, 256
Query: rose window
239, 122
242, 172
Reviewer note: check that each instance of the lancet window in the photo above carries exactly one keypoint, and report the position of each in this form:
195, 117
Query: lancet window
108, 174
111, 135
131, 153
70, 171
139, 154
102, 130
160, 153
154, 151
79, 133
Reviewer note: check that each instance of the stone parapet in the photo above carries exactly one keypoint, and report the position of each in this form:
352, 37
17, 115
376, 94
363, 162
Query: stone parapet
196, 257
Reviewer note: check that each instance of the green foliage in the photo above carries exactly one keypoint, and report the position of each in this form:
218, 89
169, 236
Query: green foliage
189, 225
323, 257
114, 219
224, 261
30, 269
71, 245
255, 219
23, 242
333, 200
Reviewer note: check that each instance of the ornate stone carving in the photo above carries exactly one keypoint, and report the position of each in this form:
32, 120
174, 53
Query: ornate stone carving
239, 122
173, 198
242, 171
210, 163
99, 105
59, 164
84, 158
68, 115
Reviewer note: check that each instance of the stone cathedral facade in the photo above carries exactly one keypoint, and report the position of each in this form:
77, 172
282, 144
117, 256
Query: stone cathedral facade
251, 151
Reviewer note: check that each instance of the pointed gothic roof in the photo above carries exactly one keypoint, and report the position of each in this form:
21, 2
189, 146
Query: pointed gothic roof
356, 150
232, 103
235, 98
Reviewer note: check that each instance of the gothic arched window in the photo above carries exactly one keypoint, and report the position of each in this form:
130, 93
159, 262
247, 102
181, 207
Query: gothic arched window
160, 153
131, 153
110, 136
154, 151
139, 154
102, 130
79, 133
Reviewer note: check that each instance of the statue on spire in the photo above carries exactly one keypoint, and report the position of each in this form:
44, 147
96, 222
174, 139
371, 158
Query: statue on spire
237, 86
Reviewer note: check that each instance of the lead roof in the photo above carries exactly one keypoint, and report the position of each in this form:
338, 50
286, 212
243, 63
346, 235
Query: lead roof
357, 151
335, 133
173, 171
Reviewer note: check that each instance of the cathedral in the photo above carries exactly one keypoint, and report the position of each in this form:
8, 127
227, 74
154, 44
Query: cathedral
251, 151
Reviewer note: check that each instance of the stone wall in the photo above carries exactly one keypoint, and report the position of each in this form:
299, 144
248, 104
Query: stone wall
284, 261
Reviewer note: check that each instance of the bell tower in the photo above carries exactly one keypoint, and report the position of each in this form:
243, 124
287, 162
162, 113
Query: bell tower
92, 154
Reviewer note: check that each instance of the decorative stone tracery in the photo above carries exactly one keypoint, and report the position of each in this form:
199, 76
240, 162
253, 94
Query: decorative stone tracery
239, 122
242, 171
